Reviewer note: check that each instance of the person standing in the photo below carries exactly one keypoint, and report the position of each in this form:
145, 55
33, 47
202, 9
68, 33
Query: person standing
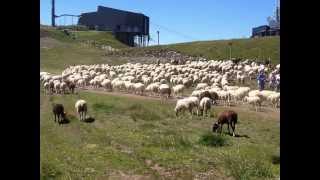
261, 80
278, 85
273, 81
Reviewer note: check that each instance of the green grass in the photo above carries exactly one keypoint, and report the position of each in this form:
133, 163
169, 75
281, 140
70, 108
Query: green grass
69, 52
100, 37
127, 132
244, 164
261, 48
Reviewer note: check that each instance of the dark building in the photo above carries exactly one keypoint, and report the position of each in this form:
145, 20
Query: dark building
128, 27
265, 30
273, 29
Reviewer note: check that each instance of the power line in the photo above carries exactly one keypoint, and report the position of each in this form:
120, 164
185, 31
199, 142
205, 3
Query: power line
175, 32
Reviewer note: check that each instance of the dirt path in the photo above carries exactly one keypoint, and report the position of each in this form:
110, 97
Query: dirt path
265, 111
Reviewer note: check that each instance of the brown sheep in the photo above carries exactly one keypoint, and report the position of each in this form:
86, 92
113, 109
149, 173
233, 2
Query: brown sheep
226, 117
213, 96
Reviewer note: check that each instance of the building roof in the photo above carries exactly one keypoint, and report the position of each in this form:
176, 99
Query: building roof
102, 8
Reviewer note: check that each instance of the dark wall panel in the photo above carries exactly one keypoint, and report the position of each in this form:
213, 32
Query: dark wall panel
118, 21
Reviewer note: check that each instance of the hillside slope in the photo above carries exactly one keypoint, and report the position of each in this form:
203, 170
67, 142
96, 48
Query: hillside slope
58, 50
259, 49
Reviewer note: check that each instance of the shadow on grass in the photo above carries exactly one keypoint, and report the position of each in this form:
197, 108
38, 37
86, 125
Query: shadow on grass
240, 136
65, 121
89, 119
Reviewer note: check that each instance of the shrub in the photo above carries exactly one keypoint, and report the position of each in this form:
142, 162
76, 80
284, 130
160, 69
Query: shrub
209, 139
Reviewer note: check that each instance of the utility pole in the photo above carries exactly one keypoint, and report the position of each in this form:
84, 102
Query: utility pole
158, 37
230, 45
53, 23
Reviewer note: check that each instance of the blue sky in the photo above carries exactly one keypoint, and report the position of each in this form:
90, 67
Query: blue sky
192, 20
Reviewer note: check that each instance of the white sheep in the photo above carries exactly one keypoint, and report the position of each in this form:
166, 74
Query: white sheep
57, 87
46, 87
139, 88
194, 101
106, 83
178, 89
274, 99
224, 96
201, 86
81, 108
254, 100
164, 89
205, 105
182, 105
63, 87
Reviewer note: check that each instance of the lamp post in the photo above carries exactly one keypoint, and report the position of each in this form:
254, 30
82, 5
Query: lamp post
158, 37
230, 45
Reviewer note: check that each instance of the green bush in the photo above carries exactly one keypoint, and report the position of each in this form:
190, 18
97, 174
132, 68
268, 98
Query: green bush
216, 140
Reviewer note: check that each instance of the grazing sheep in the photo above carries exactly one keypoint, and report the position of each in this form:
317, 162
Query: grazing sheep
183, 104
226, 117
58, 112
205, 105
164, 89
194, 101
254, 100
81, 108
178, 89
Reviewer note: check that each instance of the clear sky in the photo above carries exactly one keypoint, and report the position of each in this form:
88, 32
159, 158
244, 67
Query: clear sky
178, 20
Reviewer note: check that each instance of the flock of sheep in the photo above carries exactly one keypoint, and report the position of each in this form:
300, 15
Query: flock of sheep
217, 79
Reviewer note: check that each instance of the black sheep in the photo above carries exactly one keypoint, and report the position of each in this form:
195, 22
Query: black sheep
58, 112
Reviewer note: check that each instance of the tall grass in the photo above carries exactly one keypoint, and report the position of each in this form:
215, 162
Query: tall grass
216, 140
245, 166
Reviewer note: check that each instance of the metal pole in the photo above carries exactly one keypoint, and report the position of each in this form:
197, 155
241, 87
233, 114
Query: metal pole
158, 37
53, 23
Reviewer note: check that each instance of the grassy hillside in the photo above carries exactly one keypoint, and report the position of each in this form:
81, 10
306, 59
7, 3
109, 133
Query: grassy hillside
57, 50
260, 48
244, 48
102, 38
141, 137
